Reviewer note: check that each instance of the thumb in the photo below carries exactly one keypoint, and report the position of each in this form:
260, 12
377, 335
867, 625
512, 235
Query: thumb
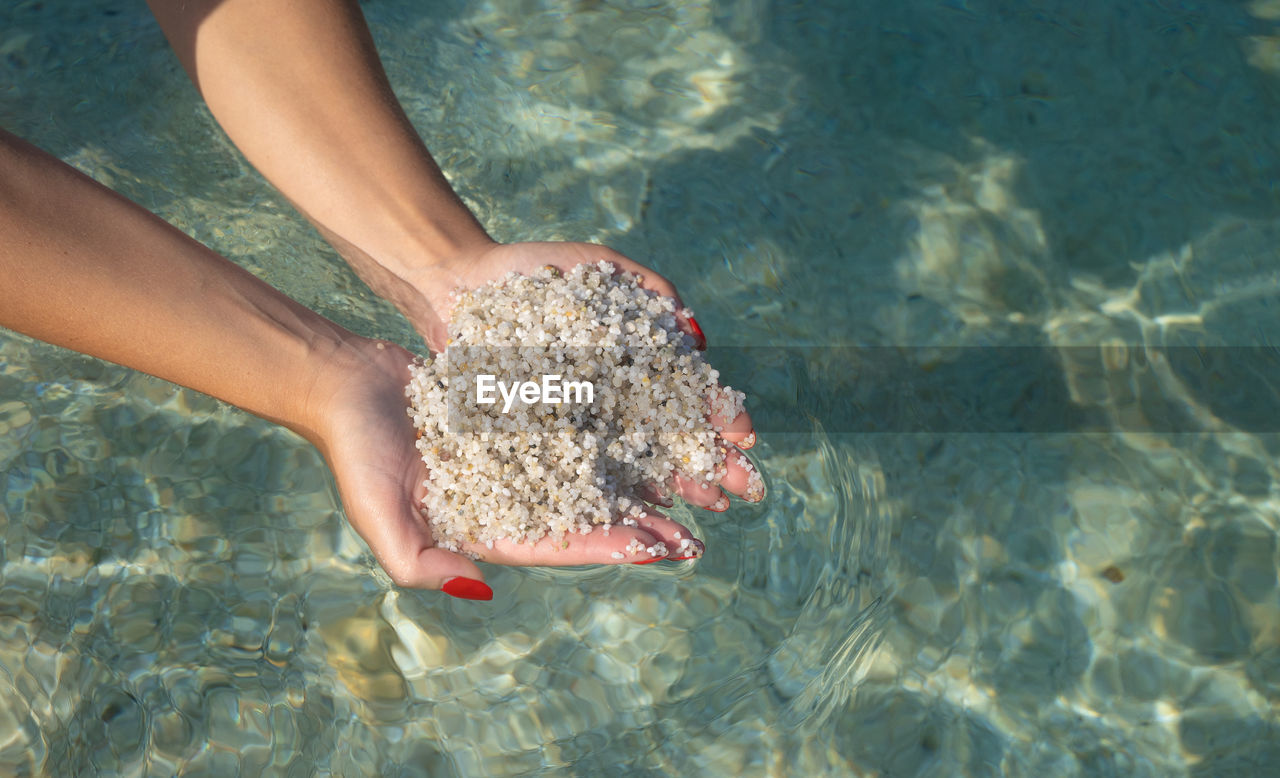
453, 574
421, 566
401, 541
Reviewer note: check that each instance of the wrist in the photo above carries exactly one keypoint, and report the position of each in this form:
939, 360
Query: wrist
414, 266
354, 372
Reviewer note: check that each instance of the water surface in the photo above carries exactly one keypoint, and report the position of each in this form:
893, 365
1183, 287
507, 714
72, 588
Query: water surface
1060, 220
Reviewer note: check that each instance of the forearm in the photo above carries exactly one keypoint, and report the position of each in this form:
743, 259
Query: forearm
86, 269
298, 87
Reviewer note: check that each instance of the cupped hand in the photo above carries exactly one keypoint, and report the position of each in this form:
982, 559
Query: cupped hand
483, 262
438, 284
369, 443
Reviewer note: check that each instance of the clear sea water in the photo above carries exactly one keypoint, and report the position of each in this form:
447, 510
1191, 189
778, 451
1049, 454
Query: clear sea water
1002, 281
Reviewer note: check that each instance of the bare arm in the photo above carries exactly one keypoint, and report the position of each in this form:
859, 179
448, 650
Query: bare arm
87, 269
298, 87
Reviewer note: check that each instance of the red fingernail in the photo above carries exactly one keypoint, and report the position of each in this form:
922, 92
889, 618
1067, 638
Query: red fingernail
699, 340
647, 561
467, 589
681, 558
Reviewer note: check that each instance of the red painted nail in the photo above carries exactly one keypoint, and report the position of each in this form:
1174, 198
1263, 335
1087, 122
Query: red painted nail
467, 589
699, 340
647, 561
682, 558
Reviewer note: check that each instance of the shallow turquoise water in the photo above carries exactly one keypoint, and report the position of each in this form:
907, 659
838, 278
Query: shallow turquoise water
1055, 560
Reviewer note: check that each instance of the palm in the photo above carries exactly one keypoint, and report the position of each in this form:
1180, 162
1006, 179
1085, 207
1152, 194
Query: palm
380, 477
373, 459
496, 260
371, 442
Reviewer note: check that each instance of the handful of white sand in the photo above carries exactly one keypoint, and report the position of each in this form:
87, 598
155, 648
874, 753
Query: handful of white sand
557, 399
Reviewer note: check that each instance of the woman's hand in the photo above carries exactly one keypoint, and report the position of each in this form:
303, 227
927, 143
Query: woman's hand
369, 443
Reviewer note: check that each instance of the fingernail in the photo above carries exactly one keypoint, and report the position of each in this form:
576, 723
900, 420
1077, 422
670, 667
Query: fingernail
721, 505
467, 589
748, 441
755, 483
647, 561
689, 549
699, 340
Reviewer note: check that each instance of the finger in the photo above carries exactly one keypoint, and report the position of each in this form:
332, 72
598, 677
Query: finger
739, 431
400, 539
594, 547
648, 538
689, 325
657, 283
648, 278
452, 573
652, 493
404, 548
701, 492
679, 539
416, 563
741, 477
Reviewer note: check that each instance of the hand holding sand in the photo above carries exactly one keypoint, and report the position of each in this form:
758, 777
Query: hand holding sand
371, 446
384, 481
619, 403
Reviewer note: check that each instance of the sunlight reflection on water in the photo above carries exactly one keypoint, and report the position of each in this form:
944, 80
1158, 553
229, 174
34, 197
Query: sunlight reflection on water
180, 593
